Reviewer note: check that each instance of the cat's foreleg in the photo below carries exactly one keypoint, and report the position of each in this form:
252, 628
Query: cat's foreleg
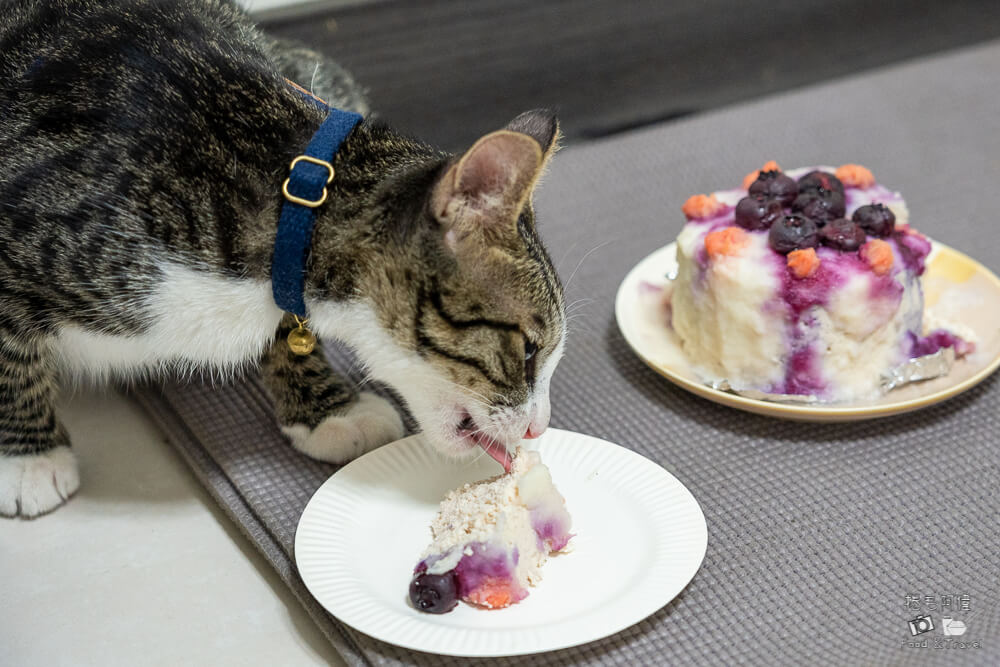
322, 414
38, 472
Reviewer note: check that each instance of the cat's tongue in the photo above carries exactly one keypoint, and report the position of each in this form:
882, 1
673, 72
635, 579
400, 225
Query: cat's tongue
496, 451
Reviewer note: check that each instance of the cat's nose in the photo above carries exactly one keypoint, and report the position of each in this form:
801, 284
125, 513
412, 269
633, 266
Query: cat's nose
534, 430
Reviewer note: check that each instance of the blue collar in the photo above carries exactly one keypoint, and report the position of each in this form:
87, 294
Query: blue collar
304, 191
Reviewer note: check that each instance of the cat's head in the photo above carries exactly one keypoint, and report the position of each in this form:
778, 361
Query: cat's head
460, 309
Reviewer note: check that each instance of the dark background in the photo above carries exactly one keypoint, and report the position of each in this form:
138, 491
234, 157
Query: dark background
449, 71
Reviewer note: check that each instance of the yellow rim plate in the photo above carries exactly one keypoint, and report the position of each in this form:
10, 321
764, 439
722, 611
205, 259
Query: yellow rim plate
958, 287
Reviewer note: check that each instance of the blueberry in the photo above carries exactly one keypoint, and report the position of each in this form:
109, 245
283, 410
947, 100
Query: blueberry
776, 185
842, 234
434, 593
876, 219
757, 212
793, 232
815, 180
821, 205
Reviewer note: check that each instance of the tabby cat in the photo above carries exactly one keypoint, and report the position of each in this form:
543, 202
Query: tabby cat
143, 145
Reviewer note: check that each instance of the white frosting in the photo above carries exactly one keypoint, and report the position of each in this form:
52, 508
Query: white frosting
860, 337
725, 318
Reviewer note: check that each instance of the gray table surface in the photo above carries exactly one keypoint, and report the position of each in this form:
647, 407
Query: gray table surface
823, 540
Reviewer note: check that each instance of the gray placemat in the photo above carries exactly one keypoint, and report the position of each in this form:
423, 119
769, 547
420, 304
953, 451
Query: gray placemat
824, 541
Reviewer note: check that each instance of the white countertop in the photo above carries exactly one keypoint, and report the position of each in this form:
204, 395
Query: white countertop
141, 567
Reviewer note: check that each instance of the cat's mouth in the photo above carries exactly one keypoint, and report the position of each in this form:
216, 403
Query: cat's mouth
469, 432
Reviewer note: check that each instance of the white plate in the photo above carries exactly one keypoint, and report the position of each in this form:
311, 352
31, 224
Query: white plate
640, 538
962, 288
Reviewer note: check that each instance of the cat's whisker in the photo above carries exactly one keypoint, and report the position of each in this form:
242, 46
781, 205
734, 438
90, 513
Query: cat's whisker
312, 82
587, 254
473, 395
565, 255
578, 304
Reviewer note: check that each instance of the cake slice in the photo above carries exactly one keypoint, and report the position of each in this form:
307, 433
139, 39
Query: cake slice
491, 538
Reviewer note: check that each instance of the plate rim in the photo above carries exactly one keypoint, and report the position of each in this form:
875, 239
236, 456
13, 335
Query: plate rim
697, 554
807, 413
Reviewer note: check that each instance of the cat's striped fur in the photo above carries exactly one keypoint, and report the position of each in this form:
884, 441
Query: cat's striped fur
142, 149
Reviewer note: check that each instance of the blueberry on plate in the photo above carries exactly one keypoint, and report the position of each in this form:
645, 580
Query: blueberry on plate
757, 212
776, 185
876, 219
434, 593
842, 234
793, 232
815, 180
821, 205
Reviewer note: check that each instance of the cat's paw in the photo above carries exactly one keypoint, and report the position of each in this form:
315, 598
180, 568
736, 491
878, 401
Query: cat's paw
369, 422
33, 484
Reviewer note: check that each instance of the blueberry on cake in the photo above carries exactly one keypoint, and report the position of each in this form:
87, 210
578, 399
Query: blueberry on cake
805, 282
491, 539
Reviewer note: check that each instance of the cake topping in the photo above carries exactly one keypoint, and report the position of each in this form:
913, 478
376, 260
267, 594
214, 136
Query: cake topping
776, 185
770, 165
913, 247
757, 212
494, 593
725, 241
803, 263
855, 176
842, 234
792, 232
702, 207
434, 593
876, 219
878, 255
820, 204
815, 180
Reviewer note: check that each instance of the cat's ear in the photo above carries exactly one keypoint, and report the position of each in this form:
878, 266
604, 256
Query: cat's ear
541, 125
489, 185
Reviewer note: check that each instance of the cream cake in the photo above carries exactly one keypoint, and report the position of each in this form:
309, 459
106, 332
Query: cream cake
805, 282
491, 538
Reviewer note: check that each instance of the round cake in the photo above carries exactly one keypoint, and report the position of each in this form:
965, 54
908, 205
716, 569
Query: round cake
805, 282
491, 539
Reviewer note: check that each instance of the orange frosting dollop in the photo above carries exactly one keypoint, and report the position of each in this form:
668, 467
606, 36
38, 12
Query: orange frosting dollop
701, 207
770, 165
855, 176
493, 593
803, 263
725, 241
878, 255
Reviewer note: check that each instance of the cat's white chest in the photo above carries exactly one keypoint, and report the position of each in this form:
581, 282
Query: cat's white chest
197, 319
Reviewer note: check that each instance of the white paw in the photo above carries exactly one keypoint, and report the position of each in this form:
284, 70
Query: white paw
33, 484
369, 423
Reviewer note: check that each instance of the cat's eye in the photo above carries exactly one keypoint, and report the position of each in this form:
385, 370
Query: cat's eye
529, 362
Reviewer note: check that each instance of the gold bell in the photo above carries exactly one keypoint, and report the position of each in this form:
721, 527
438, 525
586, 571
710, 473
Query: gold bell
300, 340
